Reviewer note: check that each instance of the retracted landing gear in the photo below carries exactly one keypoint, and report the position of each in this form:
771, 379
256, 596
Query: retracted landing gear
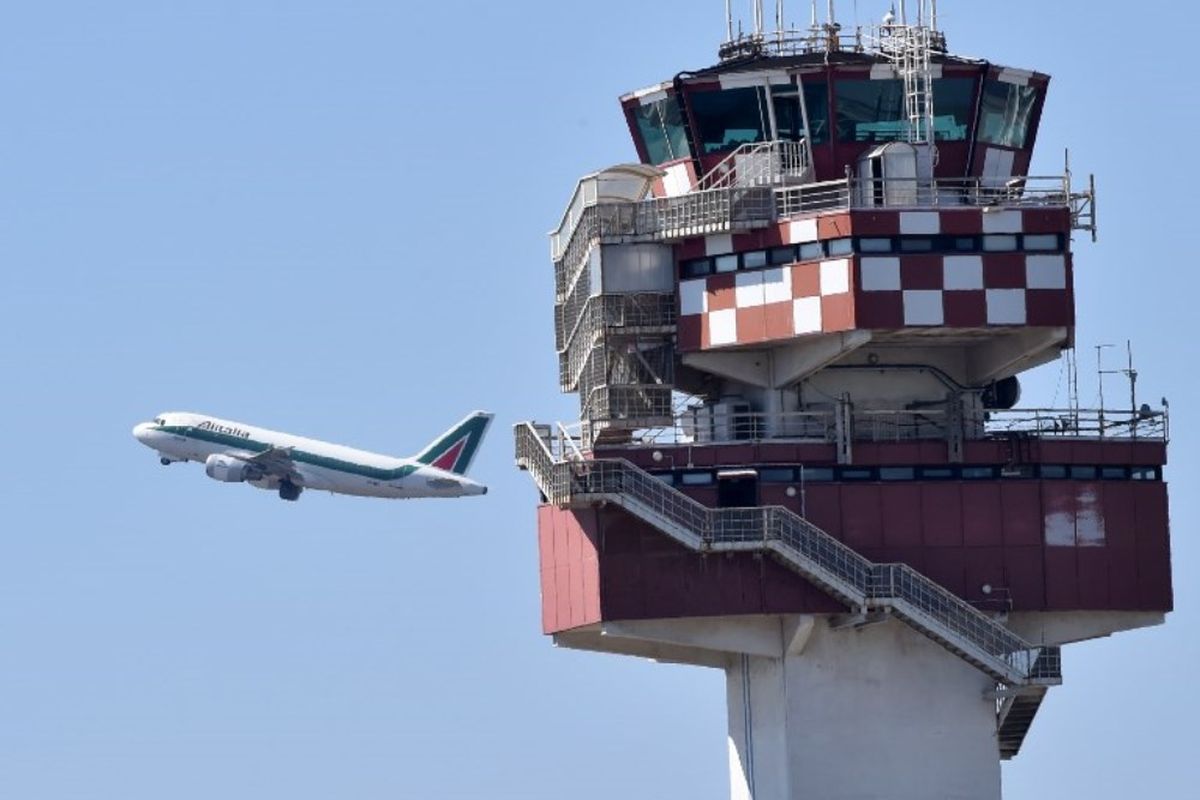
289, 491
166, 462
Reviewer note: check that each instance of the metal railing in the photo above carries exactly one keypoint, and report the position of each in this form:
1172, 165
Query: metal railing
761, 164
711, 425
1145, 423
814, 554
847, 193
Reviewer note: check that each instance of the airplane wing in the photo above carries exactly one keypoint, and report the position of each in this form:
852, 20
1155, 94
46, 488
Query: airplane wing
277, 461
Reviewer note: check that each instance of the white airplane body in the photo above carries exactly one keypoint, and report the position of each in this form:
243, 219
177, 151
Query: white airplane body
233, 452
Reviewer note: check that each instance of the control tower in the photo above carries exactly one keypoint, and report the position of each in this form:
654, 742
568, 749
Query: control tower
796, 329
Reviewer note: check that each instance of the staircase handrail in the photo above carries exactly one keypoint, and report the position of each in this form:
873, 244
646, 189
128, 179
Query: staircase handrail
818, 556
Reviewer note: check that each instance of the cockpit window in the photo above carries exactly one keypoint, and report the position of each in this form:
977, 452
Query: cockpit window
160, 421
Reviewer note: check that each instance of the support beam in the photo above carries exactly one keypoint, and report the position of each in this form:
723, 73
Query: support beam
1000, 358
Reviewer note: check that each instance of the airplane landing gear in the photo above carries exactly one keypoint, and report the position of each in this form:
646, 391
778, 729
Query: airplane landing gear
289, 491
166, 462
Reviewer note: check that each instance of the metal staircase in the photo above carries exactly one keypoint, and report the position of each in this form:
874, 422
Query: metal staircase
777, 163
864, 586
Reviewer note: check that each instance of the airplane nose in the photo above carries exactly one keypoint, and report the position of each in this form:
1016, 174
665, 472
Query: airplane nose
141, 431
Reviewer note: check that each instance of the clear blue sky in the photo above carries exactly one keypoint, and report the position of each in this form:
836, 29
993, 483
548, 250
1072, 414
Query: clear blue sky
329, 218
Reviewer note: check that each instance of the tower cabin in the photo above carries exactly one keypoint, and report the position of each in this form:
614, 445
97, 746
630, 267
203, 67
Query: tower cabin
796, 328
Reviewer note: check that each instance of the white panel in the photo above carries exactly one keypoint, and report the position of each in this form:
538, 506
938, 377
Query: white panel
807, 315
718, 245
738, 80
748, 289
1018, 76
917, 223
677, 181
962, 272
722, 327
835, 277
881, 274
883, 72
1008, 221
997, 167
923, 307
777, 285
1006, 306
802, 231
1059, 529
1046, 272
693, 297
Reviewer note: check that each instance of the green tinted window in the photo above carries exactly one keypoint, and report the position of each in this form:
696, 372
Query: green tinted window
1005, 112
953, 107
870, 111
660, 125
728, 118
816, 103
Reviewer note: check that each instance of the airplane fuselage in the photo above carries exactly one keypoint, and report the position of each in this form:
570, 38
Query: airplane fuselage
312, 464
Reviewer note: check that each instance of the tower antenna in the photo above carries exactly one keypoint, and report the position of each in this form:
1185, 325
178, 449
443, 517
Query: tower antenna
729, 20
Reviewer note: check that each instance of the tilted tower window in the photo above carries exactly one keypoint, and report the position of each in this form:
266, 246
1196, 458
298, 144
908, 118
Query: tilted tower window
660, 124
873, 110
730, 117
1007, 110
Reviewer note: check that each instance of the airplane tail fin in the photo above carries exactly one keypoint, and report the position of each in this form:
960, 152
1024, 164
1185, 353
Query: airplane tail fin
455, 449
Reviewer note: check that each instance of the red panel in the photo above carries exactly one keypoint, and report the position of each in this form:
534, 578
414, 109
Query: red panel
941, 510
1123, 578
921, 272
780, 320
880, 310
1045, 221
876, 223
837, 313
1062, 580
1153, 546
901, 515
1025, 577
962, 223
833, 226
1119, 519
806, 279
1048, 307
862, 525
1093, 578
823, 507
1021, 502
1003, 271
751, 325
945, 565
695, 247
721, 293
982, 514
902, 453
984, 566
965, 309
689, 330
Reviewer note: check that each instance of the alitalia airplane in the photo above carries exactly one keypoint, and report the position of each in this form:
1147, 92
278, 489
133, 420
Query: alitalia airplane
237, 453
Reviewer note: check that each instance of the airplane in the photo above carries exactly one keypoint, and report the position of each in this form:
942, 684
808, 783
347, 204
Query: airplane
236, 453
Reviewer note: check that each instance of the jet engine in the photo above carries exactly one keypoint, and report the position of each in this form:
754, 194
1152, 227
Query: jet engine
229, 469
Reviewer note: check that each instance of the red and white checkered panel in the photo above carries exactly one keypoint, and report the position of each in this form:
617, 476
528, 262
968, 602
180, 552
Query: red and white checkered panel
752, 307
875, 293
953, 291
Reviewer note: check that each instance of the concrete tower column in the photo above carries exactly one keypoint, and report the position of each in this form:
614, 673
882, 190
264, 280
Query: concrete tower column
877, 712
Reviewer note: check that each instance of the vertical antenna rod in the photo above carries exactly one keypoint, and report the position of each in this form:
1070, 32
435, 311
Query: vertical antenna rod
729, 20
933, 14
